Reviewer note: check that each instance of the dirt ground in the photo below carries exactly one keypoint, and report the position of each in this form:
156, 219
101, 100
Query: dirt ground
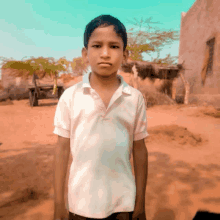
184, 161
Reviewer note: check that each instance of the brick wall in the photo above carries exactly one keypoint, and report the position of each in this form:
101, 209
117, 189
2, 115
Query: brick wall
200, 24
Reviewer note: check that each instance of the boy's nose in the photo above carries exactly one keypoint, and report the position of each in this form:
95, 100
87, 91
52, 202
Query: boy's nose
105, 52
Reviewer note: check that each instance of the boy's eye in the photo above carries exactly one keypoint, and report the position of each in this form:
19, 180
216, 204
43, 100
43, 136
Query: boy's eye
96, 46
114, 46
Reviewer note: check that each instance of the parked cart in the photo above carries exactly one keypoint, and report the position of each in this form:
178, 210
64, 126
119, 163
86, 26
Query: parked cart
37, 92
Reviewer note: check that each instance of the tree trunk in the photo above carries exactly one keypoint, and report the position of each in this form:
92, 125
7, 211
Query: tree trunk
55, 85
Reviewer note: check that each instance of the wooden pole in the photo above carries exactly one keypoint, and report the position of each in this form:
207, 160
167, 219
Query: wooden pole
174, 85
35, 84
135, 77
187, 88
205, 66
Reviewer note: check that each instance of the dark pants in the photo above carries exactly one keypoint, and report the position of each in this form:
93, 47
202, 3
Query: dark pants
114, 216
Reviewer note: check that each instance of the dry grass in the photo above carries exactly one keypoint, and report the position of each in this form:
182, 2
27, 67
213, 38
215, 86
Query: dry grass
153, 97
149, 91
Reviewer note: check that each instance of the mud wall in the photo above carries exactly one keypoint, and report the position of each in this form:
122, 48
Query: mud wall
200, 24
8, 80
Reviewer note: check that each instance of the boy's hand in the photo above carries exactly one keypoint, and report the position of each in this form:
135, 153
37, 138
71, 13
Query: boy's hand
61, 219
139, 214
60, 212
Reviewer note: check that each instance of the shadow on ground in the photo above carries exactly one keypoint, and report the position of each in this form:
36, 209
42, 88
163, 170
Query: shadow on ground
172, 185
26, 178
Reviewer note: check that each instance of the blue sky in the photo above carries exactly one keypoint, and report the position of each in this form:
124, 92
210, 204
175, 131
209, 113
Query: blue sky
55, 28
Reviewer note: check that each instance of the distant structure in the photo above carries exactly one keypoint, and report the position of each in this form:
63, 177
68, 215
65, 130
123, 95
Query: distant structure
199, 49
9, 80
144, 69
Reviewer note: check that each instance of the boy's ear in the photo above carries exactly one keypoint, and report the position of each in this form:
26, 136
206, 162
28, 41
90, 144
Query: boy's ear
84, 55
125, 56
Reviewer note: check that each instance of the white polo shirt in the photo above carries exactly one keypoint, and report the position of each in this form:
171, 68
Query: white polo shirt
101, 140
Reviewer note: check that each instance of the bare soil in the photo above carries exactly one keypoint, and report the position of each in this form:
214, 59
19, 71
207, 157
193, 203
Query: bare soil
184, 161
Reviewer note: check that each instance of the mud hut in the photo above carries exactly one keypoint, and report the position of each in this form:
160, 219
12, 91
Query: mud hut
152, 70
166, 74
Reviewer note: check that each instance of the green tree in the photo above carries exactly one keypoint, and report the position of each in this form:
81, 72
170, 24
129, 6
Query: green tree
65, 63
35, 66
145, 37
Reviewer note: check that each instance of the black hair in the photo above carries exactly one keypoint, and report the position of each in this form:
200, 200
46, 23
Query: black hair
105, 21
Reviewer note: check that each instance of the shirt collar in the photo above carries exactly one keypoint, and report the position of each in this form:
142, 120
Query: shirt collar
124, 85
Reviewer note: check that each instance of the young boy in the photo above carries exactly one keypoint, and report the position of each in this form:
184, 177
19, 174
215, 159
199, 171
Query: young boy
101, 120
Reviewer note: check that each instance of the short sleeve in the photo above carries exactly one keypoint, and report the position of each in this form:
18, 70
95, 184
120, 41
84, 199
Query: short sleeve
140, 128
62, 117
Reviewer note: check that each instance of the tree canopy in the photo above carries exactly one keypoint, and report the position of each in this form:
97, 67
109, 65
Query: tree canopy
79, 66
40, 66
145, 37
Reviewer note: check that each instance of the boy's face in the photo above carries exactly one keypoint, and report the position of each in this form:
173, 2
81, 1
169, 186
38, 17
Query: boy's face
105, 51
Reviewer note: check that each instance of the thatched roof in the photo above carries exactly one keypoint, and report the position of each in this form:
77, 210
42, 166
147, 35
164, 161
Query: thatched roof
152, 70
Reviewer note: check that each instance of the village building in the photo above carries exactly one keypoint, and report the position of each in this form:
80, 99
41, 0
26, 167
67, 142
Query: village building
199, 48
9, 80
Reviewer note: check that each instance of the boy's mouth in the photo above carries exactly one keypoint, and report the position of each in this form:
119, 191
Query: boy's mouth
105, 64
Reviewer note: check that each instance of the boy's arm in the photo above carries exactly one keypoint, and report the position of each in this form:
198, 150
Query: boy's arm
61, 159
140, 161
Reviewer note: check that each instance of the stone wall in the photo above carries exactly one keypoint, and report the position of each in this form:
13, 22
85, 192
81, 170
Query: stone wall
200, 24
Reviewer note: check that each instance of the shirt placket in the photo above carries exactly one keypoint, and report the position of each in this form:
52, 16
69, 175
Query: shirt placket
101, 106
99, 103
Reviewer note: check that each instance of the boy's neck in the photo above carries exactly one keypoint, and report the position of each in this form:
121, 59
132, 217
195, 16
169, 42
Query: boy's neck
107, 83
